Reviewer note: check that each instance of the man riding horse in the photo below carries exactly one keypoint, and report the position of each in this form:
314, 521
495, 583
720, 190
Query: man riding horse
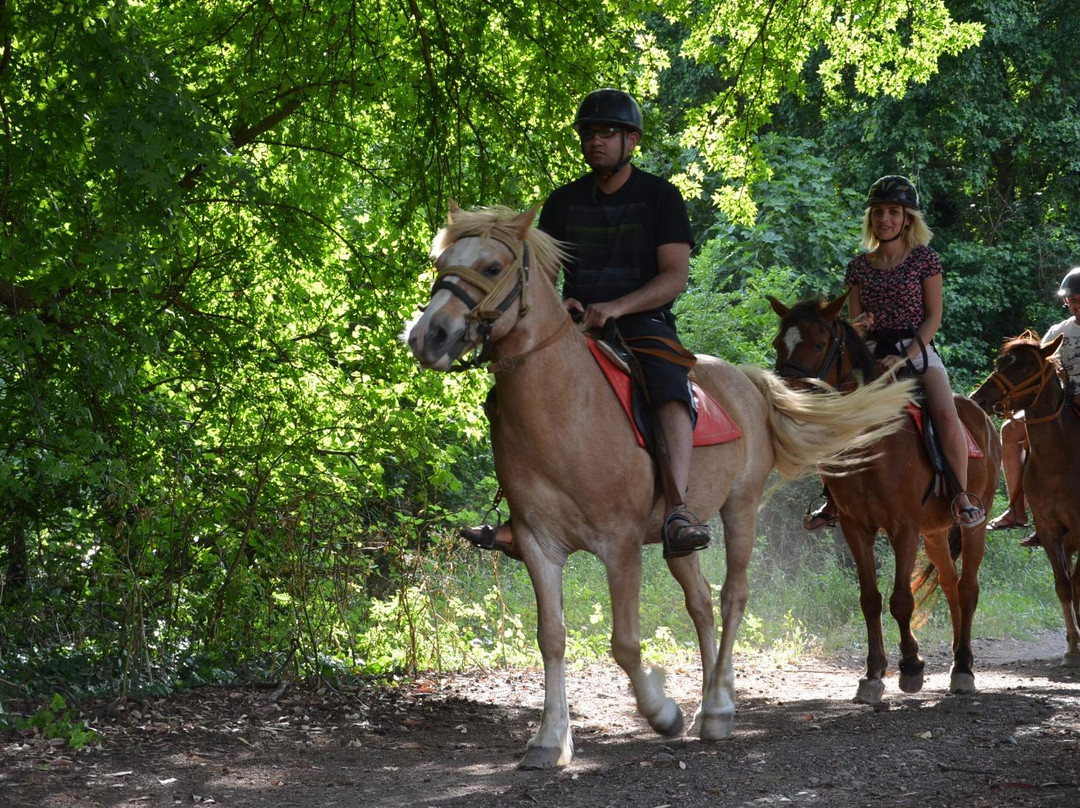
628, 236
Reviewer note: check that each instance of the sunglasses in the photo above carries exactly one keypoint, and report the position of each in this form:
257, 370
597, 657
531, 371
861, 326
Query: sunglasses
606, 132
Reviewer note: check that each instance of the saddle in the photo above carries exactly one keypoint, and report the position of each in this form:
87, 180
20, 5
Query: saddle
944, 479
712, 424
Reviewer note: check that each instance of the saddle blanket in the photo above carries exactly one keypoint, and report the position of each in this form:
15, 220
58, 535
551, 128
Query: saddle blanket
916, 414
714, 425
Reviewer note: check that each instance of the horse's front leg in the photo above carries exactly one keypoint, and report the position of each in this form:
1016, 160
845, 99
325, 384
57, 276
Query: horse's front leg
552, 745
962, 594
715, 719
699, 605
624, 585
905, 544
861, 543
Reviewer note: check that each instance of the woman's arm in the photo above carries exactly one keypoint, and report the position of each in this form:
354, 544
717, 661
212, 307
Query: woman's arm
932, 304
862, 321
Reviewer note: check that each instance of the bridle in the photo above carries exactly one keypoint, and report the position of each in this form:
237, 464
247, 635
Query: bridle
1036, 382
499, 296
790, 369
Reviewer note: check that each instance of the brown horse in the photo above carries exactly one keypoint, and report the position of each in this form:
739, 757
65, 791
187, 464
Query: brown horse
576, 478
896, 495
1027, 378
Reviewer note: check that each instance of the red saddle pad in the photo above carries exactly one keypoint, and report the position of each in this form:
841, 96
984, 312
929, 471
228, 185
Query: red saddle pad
714, 425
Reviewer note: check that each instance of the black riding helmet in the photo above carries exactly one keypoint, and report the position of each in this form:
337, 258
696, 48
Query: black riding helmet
1070, 284
895, 189
609, 106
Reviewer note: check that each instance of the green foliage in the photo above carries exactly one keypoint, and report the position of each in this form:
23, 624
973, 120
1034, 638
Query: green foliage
220, 461
803, 236
58, 720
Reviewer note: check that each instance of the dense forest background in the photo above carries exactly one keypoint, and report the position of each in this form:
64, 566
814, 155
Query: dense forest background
216, 454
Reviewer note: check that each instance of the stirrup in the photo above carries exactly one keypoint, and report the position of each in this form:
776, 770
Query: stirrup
689, 538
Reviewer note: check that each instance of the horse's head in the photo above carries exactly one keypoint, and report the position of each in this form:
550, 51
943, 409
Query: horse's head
813, 342
482, 260
1023, 368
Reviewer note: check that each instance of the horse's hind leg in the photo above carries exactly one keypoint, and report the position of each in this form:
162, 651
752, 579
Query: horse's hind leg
699, 605
1067, 587
716, 717
552, 745
624, 585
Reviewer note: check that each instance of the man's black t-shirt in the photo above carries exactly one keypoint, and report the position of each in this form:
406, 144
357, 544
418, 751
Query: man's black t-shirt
613, 238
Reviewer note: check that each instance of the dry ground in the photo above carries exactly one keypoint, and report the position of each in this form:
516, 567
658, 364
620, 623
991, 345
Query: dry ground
450, 741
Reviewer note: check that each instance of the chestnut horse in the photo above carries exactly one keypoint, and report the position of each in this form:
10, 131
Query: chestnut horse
575, 477
896, 495
1027, 378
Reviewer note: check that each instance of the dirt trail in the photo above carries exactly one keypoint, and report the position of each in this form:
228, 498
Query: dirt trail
453, 741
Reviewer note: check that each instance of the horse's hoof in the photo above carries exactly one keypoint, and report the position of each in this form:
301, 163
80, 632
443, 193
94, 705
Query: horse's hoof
670, 722
911, 683
715, 726
1071, 660
542, 757
962, 683
870, 691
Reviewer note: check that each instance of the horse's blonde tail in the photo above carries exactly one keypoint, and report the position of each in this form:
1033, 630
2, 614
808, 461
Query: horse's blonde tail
812, 428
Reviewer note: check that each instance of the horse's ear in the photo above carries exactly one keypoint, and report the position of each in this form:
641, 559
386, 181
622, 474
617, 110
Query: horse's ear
454, 210
832, 311
523, 221
1052, 346
780, 309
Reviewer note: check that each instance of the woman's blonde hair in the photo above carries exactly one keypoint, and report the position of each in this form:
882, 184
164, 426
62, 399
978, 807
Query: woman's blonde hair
916, 235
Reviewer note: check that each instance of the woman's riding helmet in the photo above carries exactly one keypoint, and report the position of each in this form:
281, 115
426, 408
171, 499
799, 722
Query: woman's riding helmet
609, 106
894, 189
1070, 284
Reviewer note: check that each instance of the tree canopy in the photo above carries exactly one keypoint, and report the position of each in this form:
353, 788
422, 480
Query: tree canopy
216, 217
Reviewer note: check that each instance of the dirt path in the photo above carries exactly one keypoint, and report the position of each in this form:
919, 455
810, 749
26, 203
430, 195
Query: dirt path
452, 742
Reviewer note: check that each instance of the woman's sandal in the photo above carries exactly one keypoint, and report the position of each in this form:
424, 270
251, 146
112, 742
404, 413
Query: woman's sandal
689, 538
1005, 523
979, 513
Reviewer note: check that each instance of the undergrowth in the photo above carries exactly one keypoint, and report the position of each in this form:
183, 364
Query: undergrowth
484, 615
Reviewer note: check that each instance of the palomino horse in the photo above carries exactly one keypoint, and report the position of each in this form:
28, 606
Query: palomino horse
575, 477
1027, 378
891, 496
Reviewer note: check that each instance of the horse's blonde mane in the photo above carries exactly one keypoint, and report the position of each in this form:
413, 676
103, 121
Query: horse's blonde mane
497, 221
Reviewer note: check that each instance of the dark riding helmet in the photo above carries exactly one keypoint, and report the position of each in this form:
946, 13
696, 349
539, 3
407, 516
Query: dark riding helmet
609, 106
1070, 284
895, 189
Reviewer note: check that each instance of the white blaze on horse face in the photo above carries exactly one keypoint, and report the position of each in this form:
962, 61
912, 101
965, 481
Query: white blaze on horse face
792, 338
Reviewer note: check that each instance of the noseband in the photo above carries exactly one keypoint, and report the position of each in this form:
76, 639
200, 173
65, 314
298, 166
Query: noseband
1036, 382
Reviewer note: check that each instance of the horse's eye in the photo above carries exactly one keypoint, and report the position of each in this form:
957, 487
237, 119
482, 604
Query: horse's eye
820, 346
493, 269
